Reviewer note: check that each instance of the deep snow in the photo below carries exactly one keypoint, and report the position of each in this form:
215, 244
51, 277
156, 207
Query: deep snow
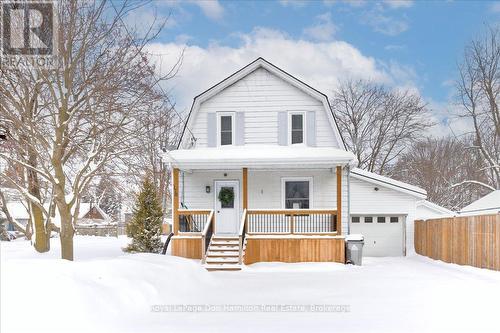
105, 290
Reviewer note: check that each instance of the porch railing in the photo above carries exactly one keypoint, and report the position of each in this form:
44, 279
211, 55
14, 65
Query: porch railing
192, 221
291, 221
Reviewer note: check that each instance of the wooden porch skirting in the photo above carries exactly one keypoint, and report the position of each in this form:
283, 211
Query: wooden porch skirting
186, 246
295, 249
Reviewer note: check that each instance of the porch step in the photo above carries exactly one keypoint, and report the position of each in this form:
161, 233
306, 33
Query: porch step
222, 260
225, 242
224, 248
222, 237
222, 267
223, 254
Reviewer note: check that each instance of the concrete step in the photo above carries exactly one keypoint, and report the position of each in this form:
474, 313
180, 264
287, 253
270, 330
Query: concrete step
222, 267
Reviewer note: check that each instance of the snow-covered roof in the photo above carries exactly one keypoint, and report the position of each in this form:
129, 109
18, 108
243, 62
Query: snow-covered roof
254, 65
489, 204
389, 182
258, 156
427, 209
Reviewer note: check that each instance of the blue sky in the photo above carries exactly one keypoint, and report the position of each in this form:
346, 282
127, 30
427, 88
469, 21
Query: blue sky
405, 44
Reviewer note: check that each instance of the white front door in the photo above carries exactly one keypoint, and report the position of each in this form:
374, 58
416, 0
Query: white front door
227, 210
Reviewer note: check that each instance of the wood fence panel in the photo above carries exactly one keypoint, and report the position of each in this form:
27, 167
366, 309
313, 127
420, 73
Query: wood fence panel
465, 240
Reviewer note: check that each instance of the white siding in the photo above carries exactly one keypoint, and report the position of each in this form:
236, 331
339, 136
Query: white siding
261, 95
264, 189
365, 200
192, 187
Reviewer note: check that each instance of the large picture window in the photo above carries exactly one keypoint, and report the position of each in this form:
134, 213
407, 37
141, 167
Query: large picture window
297, 193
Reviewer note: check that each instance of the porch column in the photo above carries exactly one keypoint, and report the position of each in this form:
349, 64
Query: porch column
175, 203
339, 199
245, 188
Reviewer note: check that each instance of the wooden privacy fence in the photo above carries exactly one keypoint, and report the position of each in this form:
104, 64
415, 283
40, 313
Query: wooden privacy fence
464, 240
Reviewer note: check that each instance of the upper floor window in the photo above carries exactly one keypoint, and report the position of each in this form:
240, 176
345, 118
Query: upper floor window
297, 128
226, 128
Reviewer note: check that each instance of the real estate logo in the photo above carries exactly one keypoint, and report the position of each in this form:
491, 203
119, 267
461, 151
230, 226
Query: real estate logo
28, 33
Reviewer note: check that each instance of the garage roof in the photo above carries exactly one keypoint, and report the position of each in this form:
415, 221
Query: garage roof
389, 182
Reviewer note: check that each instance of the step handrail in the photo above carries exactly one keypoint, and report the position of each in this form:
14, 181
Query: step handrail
241, 235
208, 224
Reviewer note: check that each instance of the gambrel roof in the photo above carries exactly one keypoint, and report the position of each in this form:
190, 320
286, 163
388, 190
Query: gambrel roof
243, 72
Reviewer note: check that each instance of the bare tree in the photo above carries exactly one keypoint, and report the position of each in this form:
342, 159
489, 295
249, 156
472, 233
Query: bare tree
438, 165
91, 106
378, 124
478, 89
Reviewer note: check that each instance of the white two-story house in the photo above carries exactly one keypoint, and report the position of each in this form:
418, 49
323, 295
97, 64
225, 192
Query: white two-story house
262, 173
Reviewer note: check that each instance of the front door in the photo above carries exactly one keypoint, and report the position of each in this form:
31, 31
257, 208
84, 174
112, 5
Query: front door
227, 206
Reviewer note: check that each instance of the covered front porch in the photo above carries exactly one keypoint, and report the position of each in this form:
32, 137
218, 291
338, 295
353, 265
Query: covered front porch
287, 205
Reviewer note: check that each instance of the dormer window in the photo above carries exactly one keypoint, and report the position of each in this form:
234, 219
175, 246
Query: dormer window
297, 128
226, 128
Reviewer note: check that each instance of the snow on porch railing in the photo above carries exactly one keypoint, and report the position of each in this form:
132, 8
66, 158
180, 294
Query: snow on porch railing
291, 221
192, 221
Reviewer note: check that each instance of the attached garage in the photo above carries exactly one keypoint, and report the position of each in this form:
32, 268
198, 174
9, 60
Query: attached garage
384, 234
382, 210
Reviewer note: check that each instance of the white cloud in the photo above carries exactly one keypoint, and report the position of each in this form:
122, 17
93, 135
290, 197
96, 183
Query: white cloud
396, 4
293, 3
144, 18
323, 30
320, 64
394, 47
352, 3
385, 24
211, 8
495, 7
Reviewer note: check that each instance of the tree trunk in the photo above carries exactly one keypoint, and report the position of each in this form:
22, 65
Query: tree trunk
66, 246
67, 232
42, 240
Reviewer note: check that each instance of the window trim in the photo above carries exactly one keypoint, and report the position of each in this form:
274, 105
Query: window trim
288, 179
304, 130
219, 129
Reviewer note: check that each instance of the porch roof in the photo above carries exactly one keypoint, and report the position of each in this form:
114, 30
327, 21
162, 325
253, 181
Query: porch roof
258, 156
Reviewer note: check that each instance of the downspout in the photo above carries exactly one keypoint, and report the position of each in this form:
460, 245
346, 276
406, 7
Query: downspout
348, 199
182, 193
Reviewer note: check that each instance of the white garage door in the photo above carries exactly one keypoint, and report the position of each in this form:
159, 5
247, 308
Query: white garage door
384, 234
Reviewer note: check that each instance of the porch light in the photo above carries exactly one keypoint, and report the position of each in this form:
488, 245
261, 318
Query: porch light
207, 189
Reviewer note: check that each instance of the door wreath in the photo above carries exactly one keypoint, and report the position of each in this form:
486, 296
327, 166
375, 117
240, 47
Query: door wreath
226, 195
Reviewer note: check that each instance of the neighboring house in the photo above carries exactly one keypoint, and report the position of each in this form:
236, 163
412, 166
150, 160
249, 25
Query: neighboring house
91, 214
262, 174
489, 204
428, 210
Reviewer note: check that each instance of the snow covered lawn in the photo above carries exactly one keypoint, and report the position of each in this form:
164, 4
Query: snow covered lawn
105, 290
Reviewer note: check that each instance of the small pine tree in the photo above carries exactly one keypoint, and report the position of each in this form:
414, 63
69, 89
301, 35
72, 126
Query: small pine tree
145, 226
